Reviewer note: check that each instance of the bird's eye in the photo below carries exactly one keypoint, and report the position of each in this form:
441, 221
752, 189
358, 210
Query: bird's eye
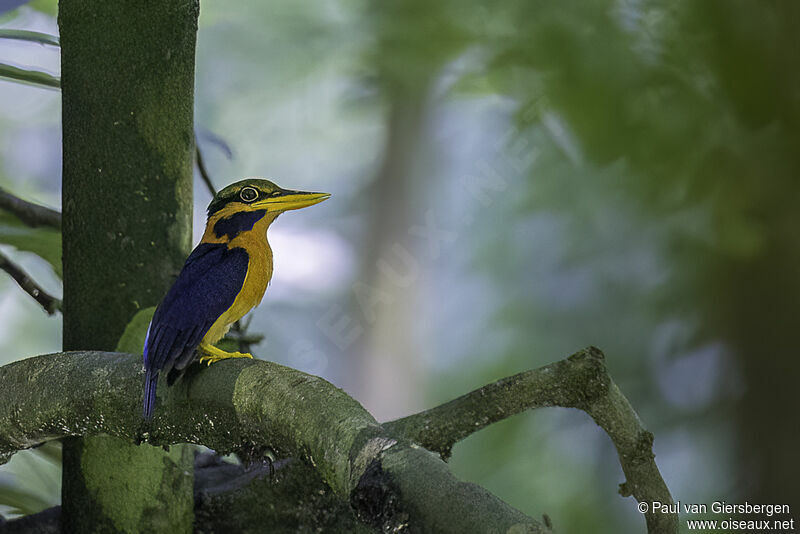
248, 194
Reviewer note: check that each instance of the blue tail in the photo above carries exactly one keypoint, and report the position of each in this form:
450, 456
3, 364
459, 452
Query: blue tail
150, 382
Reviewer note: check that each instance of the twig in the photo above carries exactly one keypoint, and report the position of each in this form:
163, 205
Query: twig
242, 337
214, 139
581, 381
201, 168
27, 35
33, 77
50, 303
31, 214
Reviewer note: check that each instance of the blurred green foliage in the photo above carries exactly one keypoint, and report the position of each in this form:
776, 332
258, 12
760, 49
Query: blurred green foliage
132, 339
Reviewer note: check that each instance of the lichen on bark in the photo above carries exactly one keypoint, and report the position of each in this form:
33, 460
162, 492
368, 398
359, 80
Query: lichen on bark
243, 405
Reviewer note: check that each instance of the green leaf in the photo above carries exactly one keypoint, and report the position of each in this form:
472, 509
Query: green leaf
21, 501
132, 339
45, 242
33, 37
50, 7
34, 484
32, 77
50, 451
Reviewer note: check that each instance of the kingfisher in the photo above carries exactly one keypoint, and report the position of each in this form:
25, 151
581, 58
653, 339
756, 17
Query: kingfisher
223, 278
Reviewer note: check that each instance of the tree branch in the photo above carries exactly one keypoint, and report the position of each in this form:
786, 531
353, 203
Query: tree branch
31, 214
50, 303
26, 35
33, 77
581, 381
252, 404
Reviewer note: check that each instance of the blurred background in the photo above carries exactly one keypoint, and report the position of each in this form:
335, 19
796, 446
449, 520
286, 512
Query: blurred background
511, 182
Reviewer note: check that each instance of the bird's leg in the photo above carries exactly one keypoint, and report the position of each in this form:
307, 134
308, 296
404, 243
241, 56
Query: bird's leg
211, 354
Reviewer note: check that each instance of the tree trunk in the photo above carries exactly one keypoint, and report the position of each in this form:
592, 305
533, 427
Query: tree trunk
386, 299
127, 98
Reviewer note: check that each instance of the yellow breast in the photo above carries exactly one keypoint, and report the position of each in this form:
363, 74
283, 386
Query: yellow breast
259, 273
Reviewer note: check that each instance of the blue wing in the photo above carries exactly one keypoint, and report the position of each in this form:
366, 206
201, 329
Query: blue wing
208, 284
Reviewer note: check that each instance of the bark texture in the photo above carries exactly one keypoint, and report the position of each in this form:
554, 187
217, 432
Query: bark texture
127, 96
127, 100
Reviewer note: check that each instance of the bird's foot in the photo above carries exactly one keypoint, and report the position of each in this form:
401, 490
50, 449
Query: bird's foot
211, 354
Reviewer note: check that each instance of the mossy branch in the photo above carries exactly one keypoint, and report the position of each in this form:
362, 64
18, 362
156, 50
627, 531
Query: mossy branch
235, 405
581, 381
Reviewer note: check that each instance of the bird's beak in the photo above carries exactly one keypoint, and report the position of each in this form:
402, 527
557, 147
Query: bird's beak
291, 200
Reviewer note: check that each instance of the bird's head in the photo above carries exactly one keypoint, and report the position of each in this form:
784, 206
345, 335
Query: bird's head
255, 194
237, 208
